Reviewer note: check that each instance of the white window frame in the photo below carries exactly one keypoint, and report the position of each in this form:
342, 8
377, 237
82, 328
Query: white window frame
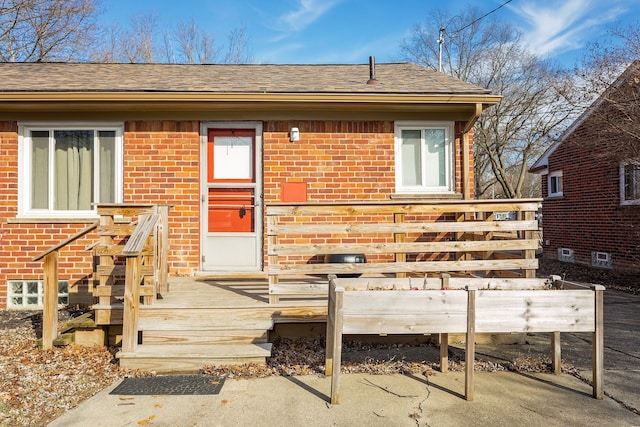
449, 187
623, 200
555, 176
24, 166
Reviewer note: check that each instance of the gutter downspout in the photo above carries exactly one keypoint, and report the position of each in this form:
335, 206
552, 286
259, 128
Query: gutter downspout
466, 161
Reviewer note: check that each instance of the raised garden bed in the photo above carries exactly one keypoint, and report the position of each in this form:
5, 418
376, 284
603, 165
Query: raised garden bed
462, 305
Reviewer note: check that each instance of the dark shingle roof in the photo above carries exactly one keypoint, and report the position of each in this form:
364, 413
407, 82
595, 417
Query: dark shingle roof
394, 78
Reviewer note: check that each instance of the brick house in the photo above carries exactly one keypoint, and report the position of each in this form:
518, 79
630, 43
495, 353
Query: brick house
591, 183
216, 142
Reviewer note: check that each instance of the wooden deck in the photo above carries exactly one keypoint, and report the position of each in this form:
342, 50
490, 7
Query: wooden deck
199, 321
209, 321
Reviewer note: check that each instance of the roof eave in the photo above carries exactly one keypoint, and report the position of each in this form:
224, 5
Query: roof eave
252, 97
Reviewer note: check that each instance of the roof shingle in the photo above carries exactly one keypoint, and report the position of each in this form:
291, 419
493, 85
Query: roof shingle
392, 78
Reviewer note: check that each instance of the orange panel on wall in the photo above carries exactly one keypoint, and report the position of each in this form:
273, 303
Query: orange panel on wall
293, 192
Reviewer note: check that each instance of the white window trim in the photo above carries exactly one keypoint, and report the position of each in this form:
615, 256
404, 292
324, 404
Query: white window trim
450, 186
623, 201
24, 166
556, 174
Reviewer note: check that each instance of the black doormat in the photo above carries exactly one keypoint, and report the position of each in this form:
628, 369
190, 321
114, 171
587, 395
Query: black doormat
170, 384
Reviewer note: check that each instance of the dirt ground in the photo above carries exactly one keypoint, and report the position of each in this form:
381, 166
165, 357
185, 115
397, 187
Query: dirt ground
626, 282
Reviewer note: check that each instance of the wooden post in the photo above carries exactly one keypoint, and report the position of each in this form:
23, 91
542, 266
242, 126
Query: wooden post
529, 253
163, 250
272, 241
50, 303
444, 337
131, 304
331, 322
106, 240
444, 352
470, 350
334, 340
556, 352
598, 343
133, 275
398, 218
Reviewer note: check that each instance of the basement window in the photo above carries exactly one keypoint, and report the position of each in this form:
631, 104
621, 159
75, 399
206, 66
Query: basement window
601, 259
630, 183
30, 293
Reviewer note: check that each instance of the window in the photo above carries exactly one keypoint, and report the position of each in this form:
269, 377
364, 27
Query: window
30, 293
555, 184
64, 170
630, 183
424, 157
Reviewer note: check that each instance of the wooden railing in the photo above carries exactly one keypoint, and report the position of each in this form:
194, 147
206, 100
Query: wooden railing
399, 238
133, 251
50, 291
132, 248
114, 233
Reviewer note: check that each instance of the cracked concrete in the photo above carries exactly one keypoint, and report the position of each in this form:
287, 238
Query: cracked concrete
501, 398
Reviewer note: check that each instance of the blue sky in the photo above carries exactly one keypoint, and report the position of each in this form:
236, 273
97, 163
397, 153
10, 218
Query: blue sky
349, 31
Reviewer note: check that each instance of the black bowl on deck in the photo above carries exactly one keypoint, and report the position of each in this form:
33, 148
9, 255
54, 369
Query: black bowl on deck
345, 259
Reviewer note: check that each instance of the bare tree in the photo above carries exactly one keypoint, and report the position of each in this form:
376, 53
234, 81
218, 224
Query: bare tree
46, 30
488, 53
187, 43
238, 47
607, 86
138, 45
195, 46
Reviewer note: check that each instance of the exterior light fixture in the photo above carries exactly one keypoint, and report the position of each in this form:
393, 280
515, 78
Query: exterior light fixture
294, 135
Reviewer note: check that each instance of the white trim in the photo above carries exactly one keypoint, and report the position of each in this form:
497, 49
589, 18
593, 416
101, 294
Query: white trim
448, 126
623, 200
258, 213
550, 177
24, 167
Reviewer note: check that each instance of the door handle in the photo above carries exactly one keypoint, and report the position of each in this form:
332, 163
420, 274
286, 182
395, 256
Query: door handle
243, 211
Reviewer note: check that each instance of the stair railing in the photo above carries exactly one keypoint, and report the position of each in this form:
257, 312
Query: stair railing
133, 277
151, 234
50, 300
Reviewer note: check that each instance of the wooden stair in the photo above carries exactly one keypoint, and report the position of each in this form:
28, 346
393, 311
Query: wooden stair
187, 339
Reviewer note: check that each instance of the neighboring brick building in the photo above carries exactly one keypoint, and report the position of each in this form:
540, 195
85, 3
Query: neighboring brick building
216, 142
591, 183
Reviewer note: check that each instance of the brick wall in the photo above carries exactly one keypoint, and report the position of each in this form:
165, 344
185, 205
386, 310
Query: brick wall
589, 217
161, 166
339, 160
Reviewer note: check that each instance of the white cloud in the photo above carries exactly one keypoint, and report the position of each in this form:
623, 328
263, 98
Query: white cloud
551, 28
307, 12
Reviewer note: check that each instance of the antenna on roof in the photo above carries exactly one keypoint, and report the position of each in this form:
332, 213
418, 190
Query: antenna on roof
440, 43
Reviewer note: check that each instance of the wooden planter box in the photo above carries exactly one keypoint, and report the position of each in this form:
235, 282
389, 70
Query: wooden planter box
461, 305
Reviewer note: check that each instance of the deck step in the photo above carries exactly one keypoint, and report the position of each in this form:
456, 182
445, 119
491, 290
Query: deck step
192, 357
201, 337
203, 319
